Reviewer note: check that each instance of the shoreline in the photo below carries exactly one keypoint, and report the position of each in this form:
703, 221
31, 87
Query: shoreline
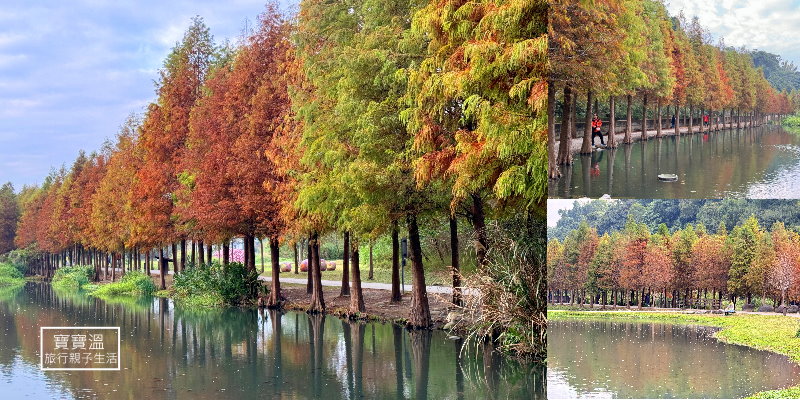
728, 332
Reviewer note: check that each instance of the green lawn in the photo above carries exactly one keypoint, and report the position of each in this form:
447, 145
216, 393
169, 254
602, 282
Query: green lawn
775, 333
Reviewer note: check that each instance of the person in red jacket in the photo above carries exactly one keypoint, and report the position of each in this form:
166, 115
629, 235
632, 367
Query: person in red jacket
596, 124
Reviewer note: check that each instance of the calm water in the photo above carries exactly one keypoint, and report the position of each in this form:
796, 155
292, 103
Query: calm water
763, 162
644, 360
172, 353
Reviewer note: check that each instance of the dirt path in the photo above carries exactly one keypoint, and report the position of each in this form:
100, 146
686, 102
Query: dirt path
376, 301
445, 290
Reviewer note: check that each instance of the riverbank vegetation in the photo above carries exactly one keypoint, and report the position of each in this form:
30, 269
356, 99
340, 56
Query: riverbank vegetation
765, 332
10, 276
133, 283
687, 266
216, 285
634, 51
72, 277
363, 121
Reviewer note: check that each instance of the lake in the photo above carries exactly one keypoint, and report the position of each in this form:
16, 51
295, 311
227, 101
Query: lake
171, 352
762, 162
605, 359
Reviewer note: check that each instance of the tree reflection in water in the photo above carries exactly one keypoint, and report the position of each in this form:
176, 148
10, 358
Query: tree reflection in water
169, 351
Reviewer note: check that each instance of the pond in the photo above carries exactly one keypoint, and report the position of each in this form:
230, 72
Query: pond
646, 360
170, 352
762, 162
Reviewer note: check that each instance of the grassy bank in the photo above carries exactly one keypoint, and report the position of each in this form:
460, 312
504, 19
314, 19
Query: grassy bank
133, 283
774, 333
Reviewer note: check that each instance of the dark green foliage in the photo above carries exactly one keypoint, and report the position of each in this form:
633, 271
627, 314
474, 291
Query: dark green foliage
10, 276
20, 258
610, 216
72, 277
217, 285
782, 74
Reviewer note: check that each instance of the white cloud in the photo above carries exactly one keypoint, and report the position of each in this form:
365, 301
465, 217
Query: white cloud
769, 25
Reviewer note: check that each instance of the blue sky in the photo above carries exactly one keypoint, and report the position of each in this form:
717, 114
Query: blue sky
71, 71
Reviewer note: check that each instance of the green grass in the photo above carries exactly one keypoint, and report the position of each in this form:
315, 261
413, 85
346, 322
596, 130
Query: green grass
133, 283
774, 333
72, 277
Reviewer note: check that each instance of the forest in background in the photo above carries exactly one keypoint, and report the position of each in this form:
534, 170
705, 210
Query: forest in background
608, 216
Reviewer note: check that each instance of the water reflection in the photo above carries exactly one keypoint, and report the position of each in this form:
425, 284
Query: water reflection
170, 351
643, 360
762, 162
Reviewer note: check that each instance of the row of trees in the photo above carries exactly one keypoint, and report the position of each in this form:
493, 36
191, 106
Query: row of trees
632, 49
683, 267
361, 117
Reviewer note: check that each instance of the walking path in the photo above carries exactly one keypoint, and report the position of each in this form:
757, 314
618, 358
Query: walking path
364, 285
575, 144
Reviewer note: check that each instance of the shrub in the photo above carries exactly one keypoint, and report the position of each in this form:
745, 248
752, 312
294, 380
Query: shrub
216, 285
10, 276
72, 277
133, 283
20, 258
511, 306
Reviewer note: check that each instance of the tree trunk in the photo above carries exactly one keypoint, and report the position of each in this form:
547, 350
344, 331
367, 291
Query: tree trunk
226, 253
612, 124
357, 296
310, 270
658, 117
564, 151
210, 254
420, 316
162, 266
691, 118
629, 121
644, 117
586, 147
274, 300
261, 245
201, 253
677, 120
183, 255
345, 289
396, 295
552, 165
454, 261
371, 275
479, 223
296, 258
317, 300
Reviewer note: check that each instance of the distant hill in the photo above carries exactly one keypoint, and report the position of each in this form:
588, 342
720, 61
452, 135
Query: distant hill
782, 74
609, 216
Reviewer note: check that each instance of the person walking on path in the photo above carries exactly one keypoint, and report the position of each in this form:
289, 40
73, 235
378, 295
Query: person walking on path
673, 122
596, 124
705, 119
